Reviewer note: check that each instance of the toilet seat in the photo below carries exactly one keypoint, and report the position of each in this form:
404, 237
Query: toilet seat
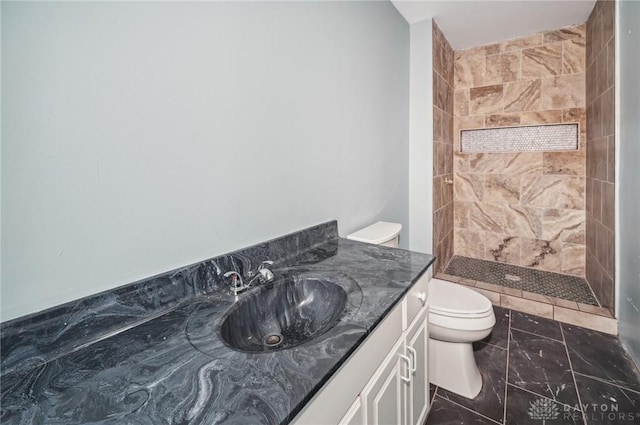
453, 300
461, 315
460, 324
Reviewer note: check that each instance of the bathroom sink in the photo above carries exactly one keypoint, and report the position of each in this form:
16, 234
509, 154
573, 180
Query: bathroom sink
283, 315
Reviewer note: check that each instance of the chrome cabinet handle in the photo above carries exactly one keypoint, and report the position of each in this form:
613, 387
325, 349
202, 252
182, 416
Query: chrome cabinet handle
414, 357
408, 360
422, 297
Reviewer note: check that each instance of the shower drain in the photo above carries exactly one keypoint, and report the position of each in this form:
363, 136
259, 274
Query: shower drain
272, 340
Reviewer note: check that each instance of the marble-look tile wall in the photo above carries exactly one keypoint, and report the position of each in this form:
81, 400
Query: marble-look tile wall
442, 149
528, 208
600, 191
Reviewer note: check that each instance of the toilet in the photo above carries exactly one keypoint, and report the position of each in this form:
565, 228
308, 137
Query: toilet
458, 317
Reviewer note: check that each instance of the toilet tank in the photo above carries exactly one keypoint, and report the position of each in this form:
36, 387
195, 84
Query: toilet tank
380, 233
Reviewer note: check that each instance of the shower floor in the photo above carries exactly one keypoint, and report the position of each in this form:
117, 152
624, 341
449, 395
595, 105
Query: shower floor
541, 282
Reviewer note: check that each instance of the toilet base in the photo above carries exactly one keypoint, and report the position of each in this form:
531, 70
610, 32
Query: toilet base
452, 366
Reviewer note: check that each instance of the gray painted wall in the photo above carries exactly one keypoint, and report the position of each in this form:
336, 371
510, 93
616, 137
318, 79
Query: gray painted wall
628, 176
140, 137
421, 138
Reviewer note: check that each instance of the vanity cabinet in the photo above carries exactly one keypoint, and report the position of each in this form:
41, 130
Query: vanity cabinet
398, 391
418, 387
385, 381
384, 397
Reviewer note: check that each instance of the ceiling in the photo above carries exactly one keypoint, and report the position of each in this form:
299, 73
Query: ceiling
474, 23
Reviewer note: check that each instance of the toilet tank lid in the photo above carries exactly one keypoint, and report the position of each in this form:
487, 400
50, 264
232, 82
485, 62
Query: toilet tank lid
377, 233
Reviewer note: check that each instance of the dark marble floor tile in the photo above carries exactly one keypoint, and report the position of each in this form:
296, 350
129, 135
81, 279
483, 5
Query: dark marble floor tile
432, 392
524, 407
604, 403
541, 365
444, 412
536, 325
597, 354
500, 334
492, 362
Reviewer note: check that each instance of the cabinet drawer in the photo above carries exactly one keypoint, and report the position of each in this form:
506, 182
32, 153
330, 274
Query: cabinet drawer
416, 299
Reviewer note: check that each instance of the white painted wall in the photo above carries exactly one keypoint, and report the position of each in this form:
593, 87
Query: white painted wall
421, 138
140, 137
628, 176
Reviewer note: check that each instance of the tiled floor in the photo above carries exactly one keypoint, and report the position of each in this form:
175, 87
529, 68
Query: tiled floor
538, 371
541, 282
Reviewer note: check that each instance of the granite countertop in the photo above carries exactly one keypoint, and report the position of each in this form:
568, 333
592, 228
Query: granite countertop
143, 355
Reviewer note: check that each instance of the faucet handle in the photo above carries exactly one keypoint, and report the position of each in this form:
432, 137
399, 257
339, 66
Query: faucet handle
264, 264
262, 273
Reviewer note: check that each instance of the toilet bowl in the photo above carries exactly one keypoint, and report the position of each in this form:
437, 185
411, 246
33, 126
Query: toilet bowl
458, 317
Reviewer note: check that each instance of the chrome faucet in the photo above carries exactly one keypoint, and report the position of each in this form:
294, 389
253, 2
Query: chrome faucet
237, 285
262, 274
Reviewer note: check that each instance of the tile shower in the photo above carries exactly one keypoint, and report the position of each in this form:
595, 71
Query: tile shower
522, 208
600, 167
442, 149
533, 214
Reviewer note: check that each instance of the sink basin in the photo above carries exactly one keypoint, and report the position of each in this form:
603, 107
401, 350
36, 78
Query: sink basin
290, 313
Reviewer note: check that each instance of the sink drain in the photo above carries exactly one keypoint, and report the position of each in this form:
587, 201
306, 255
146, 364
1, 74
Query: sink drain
272, 340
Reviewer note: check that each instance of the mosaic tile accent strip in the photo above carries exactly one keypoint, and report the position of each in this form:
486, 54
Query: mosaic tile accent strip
570, 288
533, 138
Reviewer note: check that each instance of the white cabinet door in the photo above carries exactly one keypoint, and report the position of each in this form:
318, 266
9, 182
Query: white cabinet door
384, 396
354, 415
418, 391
